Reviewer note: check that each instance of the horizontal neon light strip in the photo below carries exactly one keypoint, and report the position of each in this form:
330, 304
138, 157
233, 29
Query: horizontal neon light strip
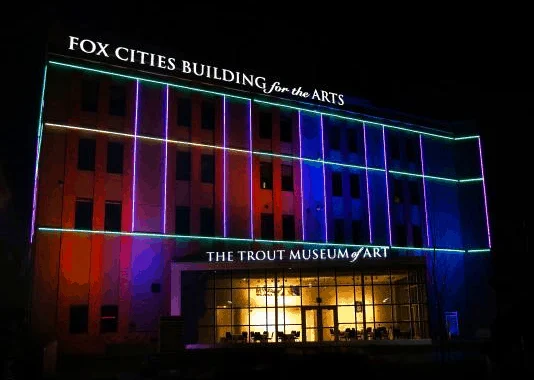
478, 250
219, 238
466, 138
425, 176
471, 180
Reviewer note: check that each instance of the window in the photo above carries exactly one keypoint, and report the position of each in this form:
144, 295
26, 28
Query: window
109, 316
335, 138
207, 168
339, 231
78, 319
286, 128
357, 235
417, 236
266, 175
182, 220
413, 186
83, 218
400, 232
155, 287
117, 100
89, 95
115, 157
352, 140
394, 147
267, 226
183, 118
337, 185
411, 151
397, 191
112, 218
183, 166
288, 227
86, 154
287, 177
207, 222
208, 115
266, 125
355, 186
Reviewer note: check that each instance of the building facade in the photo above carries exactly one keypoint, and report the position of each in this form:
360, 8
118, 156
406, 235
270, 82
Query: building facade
253, 218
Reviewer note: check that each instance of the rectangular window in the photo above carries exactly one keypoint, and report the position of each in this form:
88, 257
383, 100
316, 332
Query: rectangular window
183, 166
78, 319
335, 138
115, 157
117, 100
415, 198
287, 177
397, 191
337, 185
183, 118
83, 218
267, 226
207, 222
112, 218
86, 154
182, 220
417, 236
400, 233
286, 128
109, 318
412, 151
89, 95
266, 125
394, 147
355, 186
357, 234
266, 175
208, 115
339, 231
207, 168
288, 227
352, 140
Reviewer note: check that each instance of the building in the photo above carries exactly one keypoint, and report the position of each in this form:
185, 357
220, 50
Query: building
252, 217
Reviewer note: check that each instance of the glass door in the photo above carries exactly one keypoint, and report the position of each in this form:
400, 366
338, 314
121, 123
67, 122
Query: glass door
319, 323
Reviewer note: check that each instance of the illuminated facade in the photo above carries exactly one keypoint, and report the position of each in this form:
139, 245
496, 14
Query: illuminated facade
246, 214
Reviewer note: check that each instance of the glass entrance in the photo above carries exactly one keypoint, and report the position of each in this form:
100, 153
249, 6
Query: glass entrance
319, 323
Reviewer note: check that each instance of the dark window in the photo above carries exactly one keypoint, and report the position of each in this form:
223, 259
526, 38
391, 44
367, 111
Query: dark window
208, 115
183, 165
83, 219
397, 191
109, 318
337, 185
266, 175
417, 236
89, 95
400, 232
112, 218
79, 319
86, 154
394, 147
413, 186
286, 128
288, 227
117, 100
182, 220
184, 112
207, 168
155, 287
355, 186
357, 235
411, 151
352, 140
115, 157
267, 226
287, 177
335, 138
266, 125
339, 231
207, 222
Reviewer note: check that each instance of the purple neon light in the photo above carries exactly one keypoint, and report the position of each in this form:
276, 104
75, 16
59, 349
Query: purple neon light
135, 150
367, 186
324, 184
484, 190
224, 166
251, 173
166, 154
424, 189
301, 182
387, 184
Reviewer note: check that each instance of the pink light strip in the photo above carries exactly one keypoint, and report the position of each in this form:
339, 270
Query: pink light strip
424, 190
367, 186
224, 166
324, 184
166, 158
301, 182
135, 150
387, 181
251, 172
484, 190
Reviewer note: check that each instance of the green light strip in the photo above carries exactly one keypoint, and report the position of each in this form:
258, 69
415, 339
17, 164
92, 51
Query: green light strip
471, 180
425, 176
466, 138
429, 249
479, 250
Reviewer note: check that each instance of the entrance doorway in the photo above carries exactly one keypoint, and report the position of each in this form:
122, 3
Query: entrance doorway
319, 323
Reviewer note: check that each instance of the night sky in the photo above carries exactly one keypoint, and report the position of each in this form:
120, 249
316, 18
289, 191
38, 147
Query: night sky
441, 66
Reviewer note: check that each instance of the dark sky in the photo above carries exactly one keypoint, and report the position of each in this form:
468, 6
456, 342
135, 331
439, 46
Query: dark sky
441, 63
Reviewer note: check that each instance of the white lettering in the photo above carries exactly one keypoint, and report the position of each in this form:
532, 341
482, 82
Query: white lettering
186, 67
73, 40
294, 255
92, 46
117, 50
171, 66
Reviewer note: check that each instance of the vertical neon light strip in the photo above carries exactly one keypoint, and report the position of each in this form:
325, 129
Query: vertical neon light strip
301, 182
38, 155
251, 173
135, 150
324, 184
224, 166
367, 186
166, 156
387, 181
424, 190
484, 190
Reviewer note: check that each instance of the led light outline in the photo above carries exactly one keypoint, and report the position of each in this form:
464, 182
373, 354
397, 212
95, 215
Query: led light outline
136, 120
466, 138
484, 191
471, 180
324, 183
387, 184
251, 172
301, 181
38, 155
367, 186
166, 159
224, 166
424, 190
